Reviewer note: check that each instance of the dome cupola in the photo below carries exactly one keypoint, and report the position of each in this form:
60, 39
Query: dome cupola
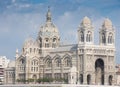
48, 29
86, 32
48, 33
107, 24
30, 45
86, 22
28, 42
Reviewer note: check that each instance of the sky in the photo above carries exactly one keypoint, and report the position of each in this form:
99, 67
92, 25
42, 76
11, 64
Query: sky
21, 19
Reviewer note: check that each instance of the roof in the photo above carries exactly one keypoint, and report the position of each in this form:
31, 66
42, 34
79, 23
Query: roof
62, 48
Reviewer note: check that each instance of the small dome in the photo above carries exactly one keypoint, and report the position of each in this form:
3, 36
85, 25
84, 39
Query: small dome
86, 20
107, 23
28, 42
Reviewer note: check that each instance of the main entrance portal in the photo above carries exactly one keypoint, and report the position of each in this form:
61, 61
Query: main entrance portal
99, 71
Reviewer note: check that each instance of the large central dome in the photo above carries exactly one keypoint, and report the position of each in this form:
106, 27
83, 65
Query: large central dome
48, 36
48, 29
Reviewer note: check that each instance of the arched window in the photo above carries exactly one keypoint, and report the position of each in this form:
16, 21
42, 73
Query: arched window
34, 62
89, 37
34, 77
57, 62
40, 42
30, 50
88, 79
67, 62
34, 65
81, 36
22, 65
34, 50
54, 42
110, 79
110, 38
48, 62
81, 78
103, 38
46, 43
22, 61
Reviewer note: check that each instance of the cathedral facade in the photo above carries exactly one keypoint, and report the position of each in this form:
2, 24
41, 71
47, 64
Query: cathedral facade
46, 57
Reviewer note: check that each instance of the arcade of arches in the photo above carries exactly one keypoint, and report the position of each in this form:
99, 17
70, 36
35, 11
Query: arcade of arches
99, 74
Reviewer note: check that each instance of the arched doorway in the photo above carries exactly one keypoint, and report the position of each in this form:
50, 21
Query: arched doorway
81, 78
99, 71
110, 79
34, 77
88, 79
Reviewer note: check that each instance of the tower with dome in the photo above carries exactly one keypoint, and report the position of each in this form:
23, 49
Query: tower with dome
45, 57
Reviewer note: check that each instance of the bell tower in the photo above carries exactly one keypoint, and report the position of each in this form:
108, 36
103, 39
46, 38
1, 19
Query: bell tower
107, 33
85, 32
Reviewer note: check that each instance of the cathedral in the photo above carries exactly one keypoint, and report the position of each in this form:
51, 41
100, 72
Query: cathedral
84, 61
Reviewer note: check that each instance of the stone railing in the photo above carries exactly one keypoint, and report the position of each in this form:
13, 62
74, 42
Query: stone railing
54, 85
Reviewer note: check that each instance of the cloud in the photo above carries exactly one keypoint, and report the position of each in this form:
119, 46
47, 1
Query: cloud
15, 28
13, 1
70, 20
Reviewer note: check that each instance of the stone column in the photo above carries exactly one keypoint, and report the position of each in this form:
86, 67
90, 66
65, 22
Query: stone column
84, 79
51, 42
61, 70
27, 69
16, 72
84, 68
114, 79
106, 70
106, 79
93, 78
52, 69
100, 39
78, 75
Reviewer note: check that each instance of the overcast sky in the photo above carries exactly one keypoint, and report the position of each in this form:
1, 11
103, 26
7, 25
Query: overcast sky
20, 19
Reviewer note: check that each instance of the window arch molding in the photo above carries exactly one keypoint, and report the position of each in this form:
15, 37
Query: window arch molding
103, 37
47, 44
54, 41
34, 65
34, 62
21, 64
48, 61
110, 38
81, 36
22, 61
40, 41
57, 61
89, 36
67, 60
